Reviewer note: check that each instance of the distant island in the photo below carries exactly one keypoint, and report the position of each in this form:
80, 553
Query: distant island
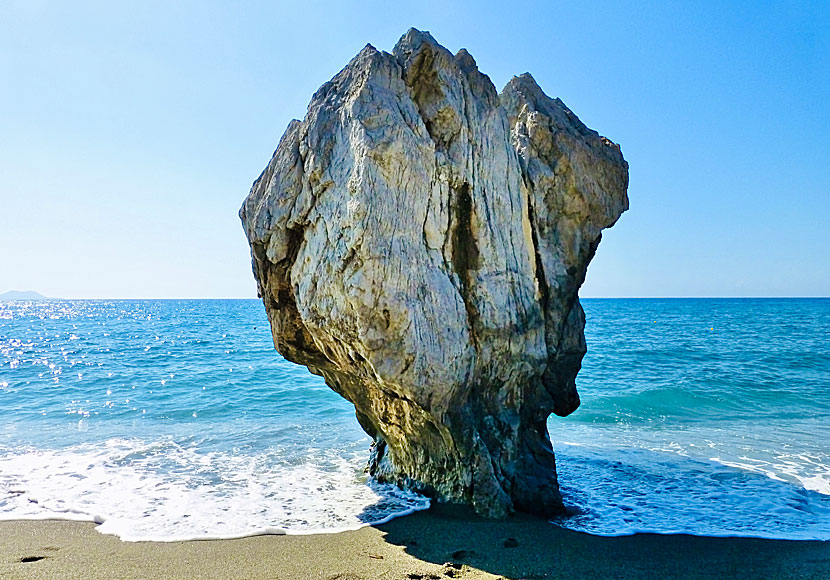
23, 295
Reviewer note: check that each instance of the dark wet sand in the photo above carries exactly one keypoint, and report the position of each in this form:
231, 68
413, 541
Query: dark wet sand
438, 544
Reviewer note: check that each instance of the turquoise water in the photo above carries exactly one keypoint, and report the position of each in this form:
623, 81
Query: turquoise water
705, 416
176, 419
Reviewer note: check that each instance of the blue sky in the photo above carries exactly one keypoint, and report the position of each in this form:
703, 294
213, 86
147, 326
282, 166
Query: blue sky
130, 132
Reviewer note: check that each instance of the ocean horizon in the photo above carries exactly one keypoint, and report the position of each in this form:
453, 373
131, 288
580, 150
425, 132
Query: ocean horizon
170, 419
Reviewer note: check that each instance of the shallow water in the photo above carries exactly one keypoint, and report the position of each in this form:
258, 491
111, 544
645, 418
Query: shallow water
176, 419
704, 416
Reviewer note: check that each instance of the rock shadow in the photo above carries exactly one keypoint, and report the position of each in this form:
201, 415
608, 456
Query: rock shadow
524, 547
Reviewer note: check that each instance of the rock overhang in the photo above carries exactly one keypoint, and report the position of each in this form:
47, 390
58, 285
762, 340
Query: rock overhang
419, 240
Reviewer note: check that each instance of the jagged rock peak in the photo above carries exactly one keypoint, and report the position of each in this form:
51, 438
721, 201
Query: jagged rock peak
419, 240
413, 40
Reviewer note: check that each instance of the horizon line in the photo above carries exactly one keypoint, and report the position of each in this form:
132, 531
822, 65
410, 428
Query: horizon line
709, 297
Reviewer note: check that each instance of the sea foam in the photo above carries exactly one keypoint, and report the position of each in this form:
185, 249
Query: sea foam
170, 420
163, 491
624, 491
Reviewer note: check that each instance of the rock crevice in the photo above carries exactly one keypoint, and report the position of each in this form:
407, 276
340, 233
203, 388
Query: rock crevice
419, 240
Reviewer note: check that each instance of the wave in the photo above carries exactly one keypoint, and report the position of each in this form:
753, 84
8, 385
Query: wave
164, 491
623, 492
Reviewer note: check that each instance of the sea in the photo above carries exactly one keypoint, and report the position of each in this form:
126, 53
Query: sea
176, 419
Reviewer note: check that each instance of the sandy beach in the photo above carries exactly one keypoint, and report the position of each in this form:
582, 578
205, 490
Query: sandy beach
442, 542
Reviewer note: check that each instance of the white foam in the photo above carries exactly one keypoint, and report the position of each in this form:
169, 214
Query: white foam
819, 483
808, 472
627, 491
162, 491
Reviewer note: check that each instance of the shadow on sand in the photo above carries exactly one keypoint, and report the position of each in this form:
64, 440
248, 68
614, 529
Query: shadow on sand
527, 547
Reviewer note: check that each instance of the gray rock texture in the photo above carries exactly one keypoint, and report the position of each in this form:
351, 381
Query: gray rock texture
419, 241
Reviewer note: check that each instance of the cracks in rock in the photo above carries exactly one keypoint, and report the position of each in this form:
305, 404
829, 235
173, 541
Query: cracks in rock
422, 77
475, 427
465, 255
439, 119
544, 291
425, 87
424, 227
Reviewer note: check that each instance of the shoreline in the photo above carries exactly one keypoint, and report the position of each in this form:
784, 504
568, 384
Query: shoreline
442, 542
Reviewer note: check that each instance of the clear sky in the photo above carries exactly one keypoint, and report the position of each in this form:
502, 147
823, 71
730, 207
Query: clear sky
130, 132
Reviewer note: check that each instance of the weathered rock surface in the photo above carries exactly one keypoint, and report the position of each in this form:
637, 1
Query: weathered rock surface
419, 240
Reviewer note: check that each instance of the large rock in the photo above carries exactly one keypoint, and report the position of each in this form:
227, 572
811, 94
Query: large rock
419, 241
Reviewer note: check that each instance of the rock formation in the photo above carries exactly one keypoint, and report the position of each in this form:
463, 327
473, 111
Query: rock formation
419, 241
